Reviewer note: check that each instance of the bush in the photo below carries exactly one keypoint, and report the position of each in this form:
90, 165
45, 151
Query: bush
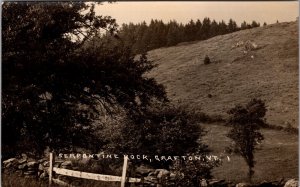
207, 60
160, 130
189, 173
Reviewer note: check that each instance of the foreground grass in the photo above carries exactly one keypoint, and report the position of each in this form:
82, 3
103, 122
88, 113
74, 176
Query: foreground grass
13, 180
276, 159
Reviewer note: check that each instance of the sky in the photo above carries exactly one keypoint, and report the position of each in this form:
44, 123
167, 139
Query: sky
183, 12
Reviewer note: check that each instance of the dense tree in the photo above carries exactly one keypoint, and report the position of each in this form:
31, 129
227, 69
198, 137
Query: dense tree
232, 26
55, 86
244, 25
223, 27
214, 29
128, 34
255, 24
205, 28
199, 29
174, 33
246, 123
141, 44
189, 31
159, 32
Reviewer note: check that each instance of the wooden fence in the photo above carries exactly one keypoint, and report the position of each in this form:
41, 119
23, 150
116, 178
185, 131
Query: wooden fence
85, 175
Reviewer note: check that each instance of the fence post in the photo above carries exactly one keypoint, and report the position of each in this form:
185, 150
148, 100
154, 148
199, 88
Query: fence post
124, 171
51, 168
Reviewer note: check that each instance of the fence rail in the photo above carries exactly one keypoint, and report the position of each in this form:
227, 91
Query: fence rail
92, 176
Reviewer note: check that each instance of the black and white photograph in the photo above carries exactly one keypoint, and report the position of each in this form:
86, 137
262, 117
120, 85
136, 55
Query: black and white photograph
149, 93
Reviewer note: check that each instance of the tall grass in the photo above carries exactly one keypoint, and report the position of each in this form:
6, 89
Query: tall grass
13, 180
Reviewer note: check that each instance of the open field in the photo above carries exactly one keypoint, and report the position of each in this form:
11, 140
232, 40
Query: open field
278, 157
269, 72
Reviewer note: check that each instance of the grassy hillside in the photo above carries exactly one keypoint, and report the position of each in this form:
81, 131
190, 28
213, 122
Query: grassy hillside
269, 72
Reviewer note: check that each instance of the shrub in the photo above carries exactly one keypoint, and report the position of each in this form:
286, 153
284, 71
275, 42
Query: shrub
189, 173
207, 60
160, 130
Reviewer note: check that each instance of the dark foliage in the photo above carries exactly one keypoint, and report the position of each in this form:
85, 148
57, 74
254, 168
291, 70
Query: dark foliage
161, 130
55, 86
190, 173
255, 24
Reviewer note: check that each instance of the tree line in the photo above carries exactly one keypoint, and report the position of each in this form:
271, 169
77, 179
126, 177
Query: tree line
143, 37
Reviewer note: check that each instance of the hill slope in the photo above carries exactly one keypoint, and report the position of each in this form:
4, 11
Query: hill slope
269, 72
